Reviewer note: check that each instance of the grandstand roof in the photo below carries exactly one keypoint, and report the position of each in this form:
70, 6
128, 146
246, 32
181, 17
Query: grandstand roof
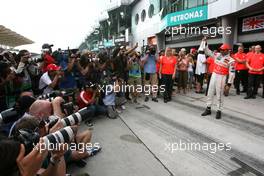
11, 38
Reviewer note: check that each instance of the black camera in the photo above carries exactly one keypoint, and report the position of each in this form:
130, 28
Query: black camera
67, 108
27, 137
30, 138
152, 50
8, 116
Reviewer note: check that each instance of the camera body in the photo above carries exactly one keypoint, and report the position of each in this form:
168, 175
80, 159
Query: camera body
9, 116
151, 50
28, 138
67, 108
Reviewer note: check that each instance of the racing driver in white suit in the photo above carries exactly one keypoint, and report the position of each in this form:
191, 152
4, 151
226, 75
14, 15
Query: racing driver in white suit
224, 65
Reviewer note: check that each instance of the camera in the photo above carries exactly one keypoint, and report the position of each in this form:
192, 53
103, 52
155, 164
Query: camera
67, 108
30, 138
35, 60
8, 116
150, 50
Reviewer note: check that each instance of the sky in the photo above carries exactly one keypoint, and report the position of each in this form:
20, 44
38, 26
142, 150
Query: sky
60, 22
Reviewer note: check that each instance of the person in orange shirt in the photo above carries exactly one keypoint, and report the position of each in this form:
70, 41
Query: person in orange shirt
167, 73
241, 74
255, 64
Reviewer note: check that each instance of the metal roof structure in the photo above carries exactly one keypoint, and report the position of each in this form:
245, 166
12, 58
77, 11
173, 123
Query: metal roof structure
11, 38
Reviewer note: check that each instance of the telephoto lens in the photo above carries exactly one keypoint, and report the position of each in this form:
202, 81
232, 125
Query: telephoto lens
76, 118
64, 135
8, 116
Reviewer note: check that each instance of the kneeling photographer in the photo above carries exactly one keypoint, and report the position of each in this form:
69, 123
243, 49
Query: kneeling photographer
89, 98
54, 117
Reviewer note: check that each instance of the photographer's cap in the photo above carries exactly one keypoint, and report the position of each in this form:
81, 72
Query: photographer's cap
53, 67
46, 46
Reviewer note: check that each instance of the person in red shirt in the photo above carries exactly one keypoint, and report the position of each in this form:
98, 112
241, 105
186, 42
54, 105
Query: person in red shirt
48, 59
255, 64
251, 51
241, 74
88, 98
167, 73
210, 69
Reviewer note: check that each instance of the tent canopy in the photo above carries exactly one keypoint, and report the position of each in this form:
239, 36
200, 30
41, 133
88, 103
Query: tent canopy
11, 38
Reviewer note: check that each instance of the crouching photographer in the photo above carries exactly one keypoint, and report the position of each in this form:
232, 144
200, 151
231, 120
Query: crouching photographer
26, 153
89, 98
51, 114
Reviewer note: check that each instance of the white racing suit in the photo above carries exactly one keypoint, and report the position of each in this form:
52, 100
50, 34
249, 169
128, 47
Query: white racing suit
224, 65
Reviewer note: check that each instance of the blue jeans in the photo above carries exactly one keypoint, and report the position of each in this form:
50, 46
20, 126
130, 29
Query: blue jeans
97, 110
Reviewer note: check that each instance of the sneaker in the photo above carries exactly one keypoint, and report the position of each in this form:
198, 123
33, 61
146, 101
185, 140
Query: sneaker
218, 115
94, 150
165, 101
119, 111
207, 112
112, 113
253, 97
146, 99
155, 100
247, 97
123, 107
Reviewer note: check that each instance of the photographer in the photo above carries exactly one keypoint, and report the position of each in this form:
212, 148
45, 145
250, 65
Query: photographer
50, 80
6, 75
110, 100
22, 70
14, 161
45, 110
47, 58
68, 65
120, 59
89, 98
134, 74
150, 74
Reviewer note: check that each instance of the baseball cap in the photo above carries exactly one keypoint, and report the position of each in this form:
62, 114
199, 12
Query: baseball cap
53, 67
46, 46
